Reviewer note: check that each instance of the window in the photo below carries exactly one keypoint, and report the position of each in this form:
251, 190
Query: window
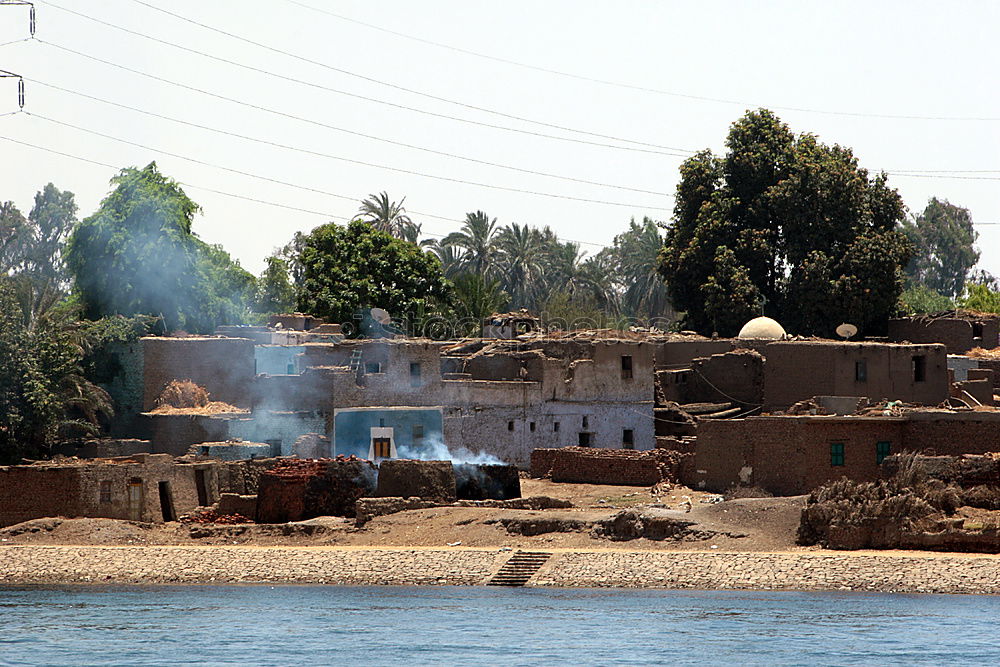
977, 330
837, 454
531, 426
415, 375
626, 367
106, 491
381, 422
861, 370
417, 431
919, 368
555, 427
373, 368
586, 422
882, 450
628, 439
510, 426
585, 439
290, 369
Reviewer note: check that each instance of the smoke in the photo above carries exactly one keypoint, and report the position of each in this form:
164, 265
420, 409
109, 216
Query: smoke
436, 450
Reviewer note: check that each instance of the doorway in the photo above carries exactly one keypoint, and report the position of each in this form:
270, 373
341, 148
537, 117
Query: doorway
167, 502
201, 487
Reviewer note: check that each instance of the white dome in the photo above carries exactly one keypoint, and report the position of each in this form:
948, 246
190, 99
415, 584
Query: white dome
762, 327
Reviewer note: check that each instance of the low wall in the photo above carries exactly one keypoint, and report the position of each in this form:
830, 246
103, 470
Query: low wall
587, 465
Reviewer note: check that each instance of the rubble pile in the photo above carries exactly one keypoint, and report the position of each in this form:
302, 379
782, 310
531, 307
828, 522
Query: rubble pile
212, 516
590, 465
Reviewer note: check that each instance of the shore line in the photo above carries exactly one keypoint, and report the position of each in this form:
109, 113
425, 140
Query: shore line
402, 566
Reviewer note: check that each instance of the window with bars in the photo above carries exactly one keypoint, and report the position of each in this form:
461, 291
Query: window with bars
836, 454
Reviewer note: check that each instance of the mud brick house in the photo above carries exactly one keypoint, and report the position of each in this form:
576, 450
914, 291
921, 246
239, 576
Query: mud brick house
960, 331
789, 455
773, 375
504, 397
143, 487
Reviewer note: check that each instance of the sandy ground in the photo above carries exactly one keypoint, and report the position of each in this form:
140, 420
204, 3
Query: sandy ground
766, 524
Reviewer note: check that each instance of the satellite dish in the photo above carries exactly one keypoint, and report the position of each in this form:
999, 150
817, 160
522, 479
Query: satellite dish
380, 316
846, 330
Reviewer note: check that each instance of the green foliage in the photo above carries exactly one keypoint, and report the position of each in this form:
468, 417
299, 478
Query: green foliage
783, 225
275, 292
920, 299
349, 269
13, 230
979, 296
50, 221
476, 298
43, 393
137, 255
389, 217
566, 311
943, 240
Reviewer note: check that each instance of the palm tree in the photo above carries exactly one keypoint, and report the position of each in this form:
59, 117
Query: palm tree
521, 261
638, 249
477, 299
478, 238
453, 260
387, 216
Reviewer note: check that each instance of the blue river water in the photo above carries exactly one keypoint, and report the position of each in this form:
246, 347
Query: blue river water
313, 625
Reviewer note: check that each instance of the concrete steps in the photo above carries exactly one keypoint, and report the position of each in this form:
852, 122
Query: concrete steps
519, 569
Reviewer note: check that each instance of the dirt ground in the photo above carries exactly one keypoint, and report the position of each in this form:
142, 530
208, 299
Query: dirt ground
749, 524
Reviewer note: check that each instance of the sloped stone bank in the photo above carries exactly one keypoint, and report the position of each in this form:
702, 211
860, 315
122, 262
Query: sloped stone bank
404, 567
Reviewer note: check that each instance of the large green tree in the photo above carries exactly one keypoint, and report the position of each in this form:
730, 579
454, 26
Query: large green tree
138, 255
350, 269
43, 392
944, 250
786, 226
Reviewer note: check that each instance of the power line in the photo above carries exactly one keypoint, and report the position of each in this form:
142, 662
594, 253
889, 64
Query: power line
332, 127
661, 150
189, 185
361, 162
627, 86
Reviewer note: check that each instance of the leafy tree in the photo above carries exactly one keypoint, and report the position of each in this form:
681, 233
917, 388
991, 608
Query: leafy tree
13, 229
981, 297
43, 392
919, 299
943, 240
275, 293
137, 255
787, 226
349, 269
51, 220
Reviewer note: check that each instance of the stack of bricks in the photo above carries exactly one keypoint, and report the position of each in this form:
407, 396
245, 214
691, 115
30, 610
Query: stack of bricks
297, 489
586, 465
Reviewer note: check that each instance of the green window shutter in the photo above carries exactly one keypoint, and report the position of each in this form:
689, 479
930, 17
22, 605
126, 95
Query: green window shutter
837, 454
882, 450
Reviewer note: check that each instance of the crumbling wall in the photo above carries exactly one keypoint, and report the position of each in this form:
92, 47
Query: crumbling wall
224, 366
175, 433
955, 334
675, 353
586, 465
736, 376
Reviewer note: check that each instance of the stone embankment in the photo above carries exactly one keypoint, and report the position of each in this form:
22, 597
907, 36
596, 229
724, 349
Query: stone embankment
404, 566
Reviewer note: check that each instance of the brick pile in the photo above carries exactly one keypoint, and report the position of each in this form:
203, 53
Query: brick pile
588, 465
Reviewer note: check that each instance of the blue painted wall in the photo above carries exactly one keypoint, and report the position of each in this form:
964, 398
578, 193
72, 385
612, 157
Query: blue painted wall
277, 359
352, 429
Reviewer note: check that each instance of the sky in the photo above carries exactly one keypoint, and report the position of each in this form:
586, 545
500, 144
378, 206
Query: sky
322, 103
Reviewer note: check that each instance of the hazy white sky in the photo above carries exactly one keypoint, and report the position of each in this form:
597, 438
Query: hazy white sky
849, 72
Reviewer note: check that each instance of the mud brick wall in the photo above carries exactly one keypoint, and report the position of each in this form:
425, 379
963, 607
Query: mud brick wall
223, 366
994, 365
955, 334
294, 489
174, 434
795, 371
32, 492
404, 478
587, 465
792, 455
734, 376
